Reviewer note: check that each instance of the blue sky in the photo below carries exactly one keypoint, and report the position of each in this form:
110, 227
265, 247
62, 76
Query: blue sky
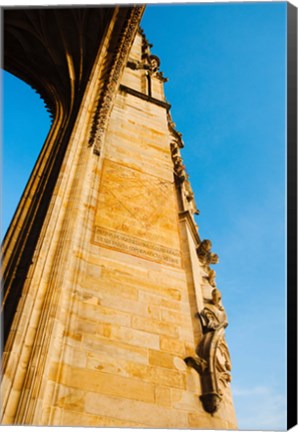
227, 78
226, 65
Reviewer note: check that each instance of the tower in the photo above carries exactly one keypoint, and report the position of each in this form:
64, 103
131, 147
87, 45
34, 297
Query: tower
112, 313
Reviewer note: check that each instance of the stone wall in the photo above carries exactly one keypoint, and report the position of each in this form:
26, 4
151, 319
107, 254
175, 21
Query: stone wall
120, 282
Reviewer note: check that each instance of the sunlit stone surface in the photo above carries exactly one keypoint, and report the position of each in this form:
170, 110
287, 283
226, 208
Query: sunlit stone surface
118, 291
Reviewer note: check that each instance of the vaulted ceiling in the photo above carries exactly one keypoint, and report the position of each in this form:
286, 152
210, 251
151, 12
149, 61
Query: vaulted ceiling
53, 49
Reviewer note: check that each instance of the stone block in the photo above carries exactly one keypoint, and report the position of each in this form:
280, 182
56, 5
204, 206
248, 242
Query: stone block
108, 348
134, 337
171, 345
185, 400
154, 326
149, 414
163, 396
103, 314
161, 359
74, 418
95, 381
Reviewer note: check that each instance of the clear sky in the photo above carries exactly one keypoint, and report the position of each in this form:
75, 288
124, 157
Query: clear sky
226, 65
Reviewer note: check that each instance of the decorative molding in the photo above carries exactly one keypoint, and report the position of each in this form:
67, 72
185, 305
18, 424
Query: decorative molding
105, 102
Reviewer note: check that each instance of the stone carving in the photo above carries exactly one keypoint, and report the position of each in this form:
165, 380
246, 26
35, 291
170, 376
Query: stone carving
104, 104
177, 136
205, 255
223, 365
150, 62
213, 316
197, 363
174, 149
180, 174
154, 63
146, 45
211, 277
212, 360
135, 64
179, 168
189, 197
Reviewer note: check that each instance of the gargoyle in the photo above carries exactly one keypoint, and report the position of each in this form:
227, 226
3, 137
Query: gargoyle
197, 363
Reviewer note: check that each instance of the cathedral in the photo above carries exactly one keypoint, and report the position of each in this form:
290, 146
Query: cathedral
112, 316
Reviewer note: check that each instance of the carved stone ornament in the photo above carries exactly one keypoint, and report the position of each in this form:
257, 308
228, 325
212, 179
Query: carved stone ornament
135, 64
211, 277
189, 197
146, 46
154, 63
205, 255
149, 62
179, 168
212, 360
